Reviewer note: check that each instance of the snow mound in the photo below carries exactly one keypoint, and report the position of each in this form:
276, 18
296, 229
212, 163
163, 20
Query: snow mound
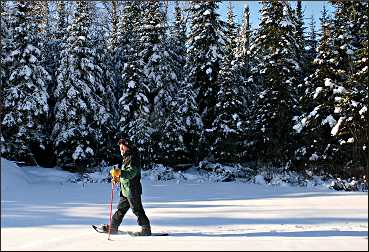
12, 176
350, 184
206, 172
259, 179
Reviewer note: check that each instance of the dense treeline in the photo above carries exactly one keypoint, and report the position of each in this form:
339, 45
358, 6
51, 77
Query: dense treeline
192, 88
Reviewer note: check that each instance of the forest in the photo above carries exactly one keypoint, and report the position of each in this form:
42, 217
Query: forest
78, 75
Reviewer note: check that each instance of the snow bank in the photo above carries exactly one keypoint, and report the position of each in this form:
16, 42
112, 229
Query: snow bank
12, 176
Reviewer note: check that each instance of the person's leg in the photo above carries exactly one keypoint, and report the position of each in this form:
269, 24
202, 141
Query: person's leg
137, 208
123, 207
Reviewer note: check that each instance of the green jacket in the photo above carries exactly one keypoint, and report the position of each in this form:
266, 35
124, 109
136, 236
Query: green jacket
130, 177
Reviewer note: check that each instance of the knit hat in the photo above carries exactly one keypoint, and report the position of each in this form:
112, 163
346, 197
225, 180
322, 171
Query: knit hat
125, 142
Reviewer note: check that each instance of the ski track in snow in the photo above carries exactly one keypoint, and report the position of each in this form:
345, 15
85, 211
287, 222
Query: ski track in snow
198, 216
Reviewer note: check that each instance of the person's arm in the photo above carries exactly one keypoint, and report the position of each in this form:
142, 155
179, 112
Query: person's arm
128, 170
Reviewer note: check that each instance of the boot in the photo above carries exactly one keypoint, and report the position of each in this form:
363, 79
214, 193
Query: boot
145, 231
113, 230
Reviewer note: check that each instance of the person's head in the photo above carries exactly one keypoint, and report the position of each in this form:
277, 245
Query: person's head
123, 145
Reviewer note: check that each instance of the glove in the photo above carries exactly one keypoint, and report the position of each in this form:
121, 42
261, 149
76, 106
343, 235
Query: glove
115, 180
115, 175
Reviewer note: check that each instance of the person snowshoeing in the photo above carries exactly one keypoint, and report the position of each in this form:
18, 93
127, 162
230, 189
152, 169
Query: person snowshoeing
129, 177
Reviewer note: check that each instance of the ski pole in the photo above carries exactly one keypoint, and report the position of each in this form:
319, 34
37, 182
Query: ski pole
111, 207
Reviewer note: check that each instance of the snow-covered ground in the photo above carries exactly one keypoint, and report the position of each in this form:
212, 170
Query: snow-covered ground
40, 210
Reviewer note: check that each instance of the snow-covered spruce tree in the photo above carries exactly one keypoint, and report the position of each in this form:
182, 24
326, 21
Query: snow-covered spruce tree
300, 35
245, 35
57, 38
61, 20
227, 126
159, 65
204, 56
278, 76
52, 33
205, 53
40, 14
5, 36
336, 124
244, 41
152, 31
24, 95
177, 40
81, 114
115, 63
343, 46
351, 43
230, 32
113, 42
172, 63
301, 48
5, 40
55, 45
319, 147
183, 128
106, 92
247, 62
134, 106
120, 42
325, 47
311, 47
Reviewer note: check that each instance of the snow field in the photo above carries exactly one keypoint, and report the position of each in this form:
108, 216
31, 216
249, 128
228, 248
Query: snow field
52, 215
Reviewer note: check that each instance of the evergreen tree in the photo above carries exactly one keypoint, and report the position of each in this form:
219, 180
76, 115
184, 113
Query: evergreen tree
61, 20
40, 16
228, 121
134, 106
177, 41
244, 44
300, 35
319, 117
81, 114
244, 39
205, 54
52, 37
5, 40
351, 43
106, 92
300, 46
5, 36
56, 44
172, 61
245, 62
152, 31
159, 65
120, 42
311, 47
279, 74
182, 128
230, 31
25, 96
113, 43
334, 124
205, 44
343, 43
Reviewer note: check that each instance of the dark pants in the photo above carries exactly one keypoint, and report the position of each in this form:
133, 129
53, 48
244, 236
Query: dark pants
135, 204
